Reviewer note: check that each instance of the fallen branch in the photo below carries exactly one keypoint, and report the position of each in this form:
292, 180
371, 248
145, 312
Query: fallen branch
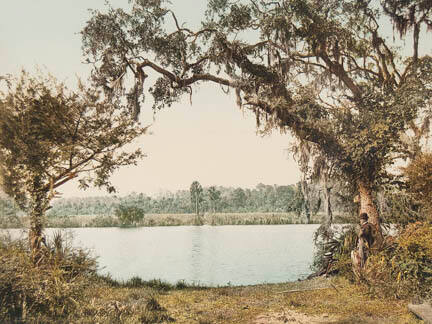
301, 290
423, 311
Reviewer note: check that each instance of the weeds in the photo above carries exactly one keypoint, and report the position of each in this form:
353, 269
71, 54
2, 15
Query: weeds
150, 220
52, 289
404, 267
64, 287
154, 284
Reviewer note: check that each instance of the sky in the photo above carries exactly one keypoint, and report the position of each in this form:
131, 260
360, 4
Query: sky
210, 140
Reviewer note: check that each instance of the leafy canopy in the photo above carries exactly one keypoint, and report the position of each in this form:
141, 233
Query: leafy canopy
49, 135
323, 70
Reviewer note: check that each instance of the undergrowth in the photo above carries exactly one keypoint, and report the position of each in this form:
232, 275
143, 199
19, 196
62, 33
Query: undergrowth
401, 269
64, 287
404, 267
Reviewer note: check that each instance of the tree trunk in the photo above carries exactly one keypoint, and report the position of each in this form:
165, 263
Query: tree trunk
36, 226
37, 210
327, 202
306, 209
367, 206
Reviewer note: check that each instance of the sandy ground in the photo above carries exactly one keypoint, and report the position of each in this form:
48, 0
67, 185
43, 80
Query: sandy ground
292, 317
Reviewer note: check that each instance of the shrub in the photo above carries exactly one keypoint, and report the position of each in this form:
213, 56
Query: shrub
333, 250
404, 267
50, 290
129, 215
419, 174
400, 207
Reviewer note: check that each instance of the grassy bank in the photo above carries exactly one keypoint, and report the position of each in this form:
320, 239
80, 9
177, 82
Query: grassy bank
182, 220
317, 301
212, 219
341, 302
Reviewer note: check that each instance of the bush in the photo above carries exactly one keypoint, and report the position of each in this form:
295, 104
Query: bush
333, 250
129, 215
65, 288
400, 207
419, 174
49, 291
404, 267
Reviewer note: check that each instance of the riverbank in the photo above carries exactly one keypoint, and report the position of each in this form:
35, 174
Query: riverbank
319, 300
73, 292
151, 220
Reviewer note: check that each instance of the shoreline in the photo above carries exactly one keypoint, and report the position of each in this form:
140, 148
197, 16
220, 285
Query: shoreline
153, 220
318, 300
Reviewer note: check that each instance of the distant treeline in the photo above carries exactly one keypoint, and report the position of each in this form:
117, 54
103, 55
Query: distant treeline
212, 200
263, 198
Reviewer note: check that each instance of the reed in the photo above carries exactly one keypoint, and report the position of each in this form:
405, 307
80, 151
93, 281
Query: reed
212, 219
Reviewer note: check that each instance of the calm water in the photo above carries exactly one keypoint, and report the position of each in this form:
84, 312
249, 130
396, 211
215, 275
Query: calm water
210, 255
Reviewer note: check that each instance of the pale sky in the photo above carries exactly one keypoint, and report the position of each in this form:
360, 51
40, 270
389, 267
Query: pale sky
210, 141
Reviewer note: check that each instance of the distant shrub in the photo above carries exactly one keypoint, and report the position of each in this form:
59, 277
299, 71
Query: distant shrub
129, 215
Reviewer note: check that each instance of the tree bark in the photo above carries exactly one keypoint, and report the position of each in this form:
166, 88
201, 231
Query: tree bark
327, 202
307, 203
37, 210
367, 205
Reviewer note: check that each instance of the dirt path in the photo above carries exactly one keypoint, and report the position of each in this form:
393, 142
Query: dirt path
292, 317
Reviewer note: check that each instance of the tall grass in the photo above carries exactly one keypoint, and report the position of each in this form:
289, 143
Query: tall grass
212, 219
64, 288
50, 289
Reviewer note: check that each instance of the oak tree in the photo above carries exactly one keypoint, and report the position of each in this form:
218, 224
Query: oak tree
323, 70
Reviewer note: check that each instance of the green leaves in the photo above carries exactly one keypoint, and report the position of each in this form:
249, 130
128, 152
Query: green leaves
49, 132
129, 215
322, 70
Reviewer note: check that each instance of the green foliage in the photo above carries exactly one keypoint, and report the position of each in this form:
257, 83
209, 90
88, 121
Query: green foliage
50, 135
401, 269
71, 134
404, 268
50, 291
299, 200
325, 71
400, 207
196, 195
333, 250
9, 217
262, 198
129, 215
64, 287
214, 197
419, 174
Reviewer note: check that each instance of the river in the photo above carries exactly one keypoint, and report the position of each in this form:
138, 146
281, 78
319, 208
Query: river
208, 255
